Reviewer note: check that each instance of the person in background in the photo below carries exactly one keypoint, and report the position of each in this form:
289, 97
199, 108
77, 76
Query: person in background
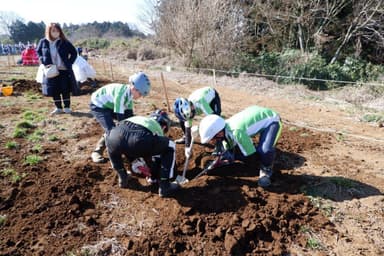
143, 137
115, 101
56, 49
237, 132
205, 101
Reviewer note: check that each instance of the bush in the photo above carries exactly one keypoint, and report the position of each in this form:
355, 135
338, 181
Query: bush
294, 66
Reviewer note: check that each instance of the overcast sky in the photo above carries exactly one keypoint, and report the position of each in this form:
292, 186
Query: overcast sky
77, 11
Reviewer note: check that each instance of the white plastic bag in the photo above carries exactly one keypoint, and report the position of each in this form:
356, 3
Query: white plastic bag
83, 70
40, 74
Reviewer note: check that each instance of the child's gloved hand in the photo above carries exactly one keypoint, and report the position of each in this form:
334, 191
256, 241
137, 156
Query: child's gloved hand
140, 167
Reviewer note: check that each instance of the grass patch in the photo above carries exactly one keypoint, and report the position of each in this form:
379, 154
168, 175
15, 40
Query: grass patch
53, 138
33, 159
19, 133
37, 148
33, 116
36, 136
32, 95
313, 243
25, 124
340, 137
13, 175
11, 145
372, 118
3, 219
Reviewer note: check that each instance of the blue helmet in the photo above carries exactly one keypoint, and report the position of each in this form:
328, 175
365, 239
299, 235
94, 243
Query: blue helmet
162, 118
183, 109
141, 82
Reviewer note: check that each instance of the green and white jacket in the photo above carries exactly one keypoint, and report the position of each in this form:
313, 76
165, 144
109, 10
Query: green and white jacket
241, 127
201, 98
147, 122
116, 97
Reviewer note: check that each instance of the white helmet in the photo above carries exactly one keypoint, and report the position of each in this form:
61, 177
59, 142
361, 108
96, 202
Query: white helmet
141, 82
210, 126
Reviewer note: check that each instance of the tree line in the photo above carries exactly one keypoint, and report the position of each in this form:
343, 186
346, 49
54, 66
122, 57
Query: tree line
19, 31
284, 37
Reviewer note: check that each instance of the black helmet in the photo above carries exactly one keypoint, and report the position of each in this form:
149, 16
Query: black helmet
162, 118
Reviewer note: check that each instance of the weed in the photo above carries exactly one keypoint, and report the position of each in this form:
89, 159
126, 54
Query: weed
32, 116
372, 118
19, 133
36, 136
3, 219
11, 145
18, 177
340, 137
313, 243
292, 128
33, 159
304, 134
7, 172
25, 124
32, 96
14, 175
53, 138
304, 229
37, 148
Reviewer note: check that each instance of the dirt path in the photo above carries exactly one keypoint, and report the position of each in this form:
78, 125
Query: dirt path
326, 197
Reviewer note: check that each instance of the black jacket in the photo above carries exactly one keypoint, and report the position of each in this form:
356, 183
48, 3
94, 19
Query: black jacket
65, 49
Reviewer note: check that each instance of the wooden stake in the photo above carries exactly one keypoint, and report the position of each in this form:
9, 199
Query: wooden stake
165, 90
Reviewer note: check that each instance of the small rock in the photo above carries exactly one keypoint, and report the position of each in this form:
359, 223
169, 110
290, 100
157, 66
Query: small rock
219, 232
229, 242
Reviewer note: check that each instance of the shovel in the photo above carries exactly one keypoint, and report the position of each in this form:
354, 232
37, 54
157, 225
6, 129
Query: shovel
181, 179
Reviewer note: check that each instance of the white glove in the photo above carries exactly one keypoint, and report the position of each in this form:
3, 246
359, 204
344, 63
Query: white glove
188, 152
195, 131
140, 167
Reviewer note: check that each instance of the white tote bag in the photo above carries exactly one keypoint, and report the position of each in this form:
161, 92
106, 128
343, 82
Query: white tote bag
51, 71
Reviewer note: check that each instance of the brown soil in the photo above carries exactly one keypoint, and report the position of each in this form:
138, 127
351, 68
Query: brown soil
67, 204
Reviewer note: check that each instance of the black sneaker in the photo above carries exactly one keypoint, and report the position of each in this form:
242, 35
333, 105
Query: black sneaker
124, 177
166, 188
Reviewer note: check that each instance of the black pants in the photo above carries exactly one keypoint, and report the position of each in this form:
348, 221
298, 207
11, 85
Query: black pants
135, 141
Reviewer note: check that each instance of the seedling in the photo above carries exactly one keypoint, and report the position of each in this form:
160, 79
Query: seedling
313, 243
33, 159
37, 148
19, 133
53, 138
36, 136
32, 116
3, 219
14, 175
25, 125
11, 145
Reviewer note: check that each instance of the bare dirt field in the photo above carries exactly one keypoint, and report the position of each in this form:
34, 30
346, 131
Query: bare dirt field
326, 197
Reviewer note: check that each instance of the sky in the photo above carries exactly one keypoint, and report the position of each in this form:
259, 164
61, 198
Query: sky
78, 11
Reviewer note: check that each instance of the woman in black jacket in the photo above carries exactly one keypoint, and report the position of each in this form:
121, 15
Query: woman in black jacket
55, 49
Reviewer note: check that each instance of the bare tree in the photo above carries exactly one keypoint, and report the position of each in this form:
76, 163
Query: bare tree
204, 33
367, 22
6, 19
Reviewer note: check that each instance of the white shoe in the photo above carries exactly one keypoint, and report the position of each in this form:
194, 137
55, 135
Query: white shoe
97, 157
265, 177
57, 111
67, 110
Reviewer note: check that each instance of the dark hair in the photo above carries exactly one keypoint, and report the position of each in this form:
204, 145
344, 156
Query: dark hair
49, 28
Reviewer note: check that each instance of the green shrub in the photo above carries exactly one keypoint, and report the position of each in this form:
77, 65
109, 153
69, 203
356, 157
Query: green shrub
19, 133
11, 145
33, 116
33, 159
25, 124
